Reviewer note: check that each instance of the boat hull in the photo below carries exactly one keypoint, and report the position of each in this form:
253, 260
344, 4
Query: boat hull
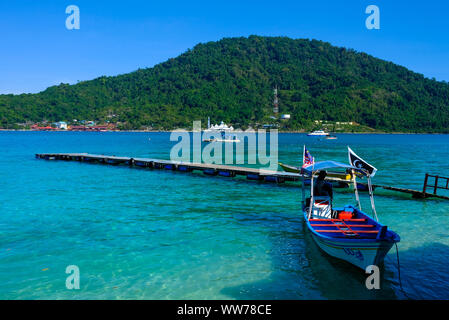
293, 169
317, 134
288, 168
359, 254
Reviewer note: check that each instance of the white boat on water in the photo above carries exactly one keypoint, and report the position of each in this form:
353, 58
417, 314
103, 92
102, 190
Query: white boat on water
235, 140
223, 137
318, 133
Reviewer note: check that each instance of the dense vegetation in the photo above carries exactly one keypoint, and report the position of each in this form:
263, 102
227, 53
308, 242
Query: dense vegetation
233, 80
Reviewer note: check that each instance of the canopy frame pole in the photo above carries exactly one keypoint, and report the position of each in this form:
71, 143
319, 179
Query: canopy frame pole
355, 189
312, 201
303, 154
303, 200
371, 196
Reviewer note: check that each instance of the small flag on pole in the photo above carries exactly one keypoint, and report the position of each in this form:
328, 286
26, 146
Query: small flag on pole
307, 158
358, 162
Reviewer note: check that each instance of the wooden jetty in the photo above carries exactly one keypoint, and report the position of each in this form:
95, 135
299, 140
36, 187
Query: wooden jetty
416, 193
207, 169
230, 171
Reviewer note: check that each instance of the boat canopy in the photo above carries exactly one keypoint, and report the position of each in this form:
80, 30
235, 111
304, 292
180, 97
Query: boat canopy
326, 165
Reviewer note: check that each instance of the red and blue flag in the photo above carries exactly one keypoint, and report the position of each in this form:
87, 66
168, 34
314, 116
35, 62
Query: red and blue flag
307, 158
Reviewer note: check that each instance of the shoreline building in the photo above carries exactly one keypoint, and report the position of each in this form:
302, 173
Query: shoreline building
61, 125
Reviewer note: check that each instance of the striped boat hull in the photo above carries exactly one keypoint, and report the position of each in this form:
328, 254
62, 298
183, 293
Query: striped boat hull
359, 252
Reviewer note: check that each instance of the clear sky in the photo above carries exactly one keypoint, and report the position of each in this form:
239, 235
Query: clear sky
117, 37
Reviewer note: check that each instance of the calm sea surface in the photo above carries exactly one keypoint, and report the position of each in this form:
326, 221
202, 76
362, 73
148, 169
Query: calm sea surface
149, 234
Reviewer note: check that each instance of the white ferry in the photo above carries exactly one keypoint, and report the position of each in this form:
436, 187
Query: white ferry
318, 133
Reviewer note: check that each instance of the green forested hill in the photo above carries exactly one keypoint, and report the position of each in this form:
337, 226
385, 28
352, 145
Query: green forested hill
233, 79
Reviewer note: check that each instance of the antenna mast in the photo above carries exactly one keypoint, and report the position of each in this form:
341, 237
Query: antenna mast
275, 100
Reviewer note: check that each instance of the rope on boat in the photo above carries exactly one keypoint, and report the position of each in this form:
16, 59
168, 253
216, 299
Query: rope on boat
371, 196
399, 266
356, 191
399, 271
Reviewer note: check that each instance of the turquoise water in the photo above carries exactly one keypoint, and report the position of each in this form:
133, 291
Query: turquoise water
149, 234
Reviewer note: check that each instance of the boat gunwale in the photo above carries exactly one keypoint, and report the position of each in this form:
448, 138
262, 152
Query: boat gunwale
393, 238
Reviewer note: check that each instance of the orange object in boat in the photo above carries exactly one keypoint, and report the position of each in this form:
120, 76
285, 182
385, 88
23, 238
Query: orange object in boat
345, 215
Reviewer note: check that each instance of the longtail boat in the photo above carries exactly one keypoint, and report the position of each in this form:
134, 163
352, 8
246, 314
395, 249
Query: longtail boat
345, 232
339, 175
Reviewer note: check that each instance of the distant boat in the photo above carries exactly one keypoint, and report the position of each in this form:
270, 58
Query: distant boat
289, 168
224, 138
318, 133
331, 137
235, 140
343, 176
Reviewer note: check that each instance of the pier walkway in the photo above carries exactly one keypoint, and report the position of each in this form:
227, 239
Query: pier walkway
208, 169
223, 170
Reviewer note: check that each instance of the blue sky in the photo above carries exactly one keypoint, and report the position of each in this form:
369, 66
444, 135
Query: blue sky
117, 37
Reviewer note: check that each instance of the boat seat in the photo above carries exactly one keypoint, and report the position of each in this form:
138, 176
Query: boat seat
322, 208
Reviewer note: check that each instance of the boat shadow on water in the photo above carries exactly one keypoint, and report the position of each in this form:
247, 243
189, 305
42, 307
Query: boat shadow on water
301, 270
